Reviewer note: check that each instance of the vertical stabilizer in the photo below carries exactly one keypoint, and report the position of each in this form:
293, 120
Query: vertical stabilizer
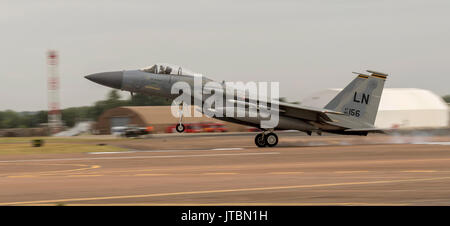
361, 98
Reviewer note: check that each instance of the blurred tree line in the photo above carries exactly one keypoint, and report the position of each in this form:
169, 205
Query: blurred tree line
70, 116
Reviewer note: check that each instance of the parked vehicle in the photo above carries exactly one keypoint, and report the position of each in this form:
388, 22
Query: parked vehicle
199, 127
214, 127
253, 129
118, 130
135, 131
131, 131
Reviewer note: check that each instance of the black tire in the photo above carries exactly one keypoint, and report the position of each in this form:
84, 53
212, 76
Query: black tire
271, 139
259, 141
180, 128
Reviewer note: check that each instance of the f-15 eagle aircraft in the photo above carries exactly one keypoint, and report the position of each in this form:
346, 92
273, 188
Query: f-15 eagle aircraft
351, 112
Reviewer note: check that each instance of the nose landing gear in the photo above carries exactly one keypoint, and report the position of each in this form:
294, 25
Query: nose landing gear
180, 127
270, 139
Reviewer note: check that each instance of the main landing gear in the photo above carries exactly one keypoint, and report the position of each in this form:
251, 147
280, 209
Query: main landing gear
266, 139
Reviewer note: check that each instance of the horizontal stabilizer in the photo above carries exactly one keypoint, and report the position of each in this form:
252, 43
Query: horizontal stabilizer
377, 73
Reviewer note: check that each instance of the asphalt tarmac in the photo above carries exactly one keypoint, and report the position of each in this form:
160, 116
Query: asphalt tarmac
230, 170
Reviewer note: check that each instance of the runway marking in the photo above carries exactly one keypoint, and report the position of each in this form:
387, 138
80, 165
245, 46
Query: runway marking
110, 152
151, 174
220, 173
437, 143
85, 175
129, 171
355, 171
226, 149
49, 173
418, 171
158, 151
142, 157
224, 191
296, 172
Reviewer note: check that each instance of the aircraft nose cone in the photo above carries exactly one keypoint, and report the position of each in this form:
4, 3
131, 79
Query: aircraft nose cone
111, 79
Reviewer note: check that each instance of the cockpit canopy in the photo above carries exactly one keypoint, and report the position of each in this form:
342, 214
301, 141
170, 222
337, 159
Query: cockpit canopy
169, 69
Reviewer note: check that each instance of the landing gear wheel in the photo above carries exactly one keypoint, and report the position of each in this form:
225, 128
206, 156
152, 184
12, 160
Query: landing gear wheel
271, 139
259, 140
180, 128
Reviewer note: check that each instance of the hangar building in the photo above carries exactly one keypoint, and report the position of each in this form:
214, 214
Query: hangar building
402, 108
159, 117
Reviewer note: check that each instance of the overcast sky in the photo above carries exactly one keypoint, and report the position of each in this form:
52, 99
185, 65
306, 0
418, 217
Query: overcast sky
305, 45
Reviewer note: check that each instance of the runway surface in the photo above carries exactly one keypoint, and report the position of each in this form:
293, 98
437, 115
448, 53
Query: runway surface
229, 170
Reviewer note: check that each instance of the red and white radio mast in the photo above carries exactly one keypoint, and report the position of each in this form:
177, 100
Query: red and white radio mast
54, 113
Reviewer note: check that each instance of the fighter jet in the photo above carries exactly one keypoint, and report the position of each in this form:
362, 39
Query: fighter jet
351, 112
